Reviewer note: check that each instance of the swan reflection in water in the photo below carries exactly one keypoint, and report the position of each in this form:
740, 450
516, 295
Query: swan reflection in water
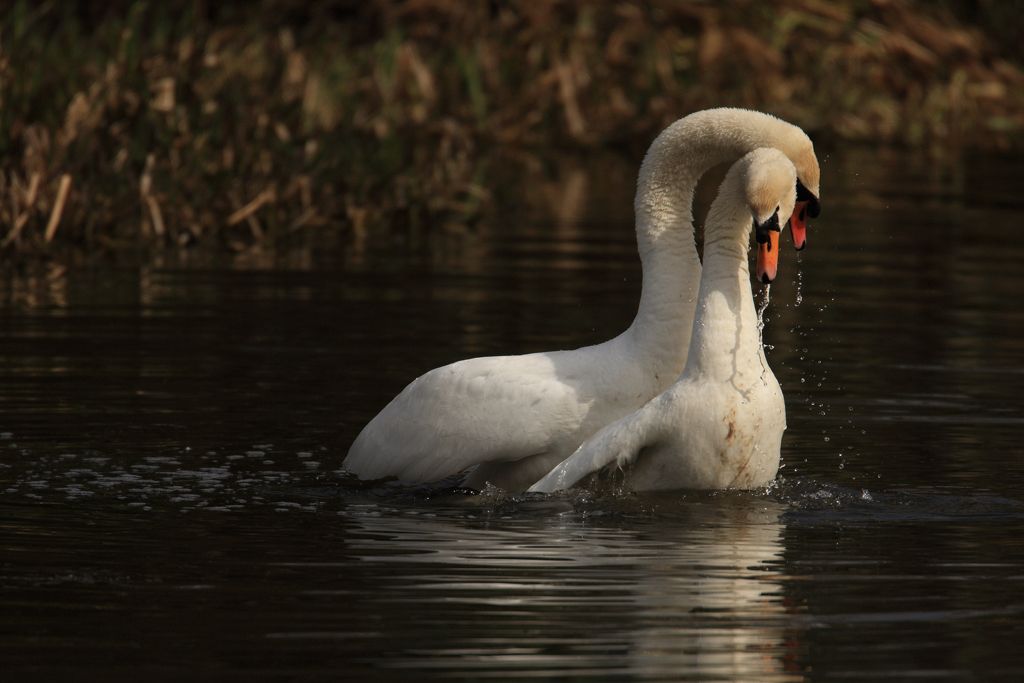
500, 592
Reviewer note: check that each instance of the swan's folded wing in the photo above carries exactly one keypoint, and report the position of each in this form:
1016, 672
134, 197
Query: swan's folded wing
618, 444
481, 410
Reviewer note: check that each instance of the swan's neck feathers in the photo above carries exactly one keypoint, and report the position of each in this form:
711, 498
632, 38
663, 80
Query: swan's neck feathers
684, 151
663, 329
674, 164
671, 276
664, 223
726, 344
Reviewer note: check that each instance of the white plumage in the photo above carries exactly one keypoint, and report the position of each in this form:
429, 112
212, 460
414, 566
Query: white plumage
513, 418
720, 425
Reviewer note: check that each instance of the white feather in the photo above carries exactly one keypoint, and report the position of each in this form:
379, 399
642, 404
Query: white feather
720, 425
516, 417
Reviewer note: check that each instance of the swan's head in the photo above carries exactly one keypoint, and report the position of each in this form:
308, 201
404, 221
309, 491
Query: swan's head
770, 186
807, 203
800, 150
764, 130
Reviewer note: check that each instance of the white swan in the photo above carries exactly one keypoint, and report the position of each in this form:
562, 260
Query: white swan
516, 417
720, 425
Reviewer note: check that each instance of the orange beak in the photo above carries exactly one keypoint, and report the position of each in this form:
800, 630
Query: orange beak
768, 258
798, 225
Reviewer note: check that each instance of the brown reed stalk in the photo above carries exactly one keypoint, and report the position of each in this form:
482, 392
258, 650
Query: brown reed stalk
58, 207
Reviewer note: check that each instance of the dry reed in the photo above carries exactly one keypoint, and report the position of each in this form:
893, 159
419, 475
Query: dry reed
179, 123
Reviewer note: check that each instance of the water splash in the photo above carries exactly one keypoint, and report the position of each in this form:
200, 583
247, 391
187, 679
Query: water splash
177, 478
799, 283
762, 305
766, 297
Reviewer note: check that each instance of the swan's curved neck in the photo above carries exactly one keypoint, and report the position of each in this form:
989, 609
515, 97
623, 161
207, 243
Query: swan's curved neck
726, 345
664, 221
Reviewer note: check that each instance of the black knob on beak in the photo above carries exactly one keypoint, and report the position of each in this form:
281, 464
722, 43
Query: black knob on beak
805, 195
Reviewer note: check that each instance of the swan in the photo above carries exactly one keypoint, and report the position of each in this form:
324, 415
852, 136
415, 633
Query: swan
720, 424
513, 418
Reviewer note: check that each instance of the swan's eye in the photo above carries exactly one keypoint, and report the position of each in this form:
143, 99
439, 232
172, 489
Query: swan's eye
802, 193
805, 195
761, 230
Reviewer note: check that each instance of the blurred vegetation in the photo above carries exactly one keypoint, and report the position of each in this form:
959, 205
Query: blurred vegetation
176, 123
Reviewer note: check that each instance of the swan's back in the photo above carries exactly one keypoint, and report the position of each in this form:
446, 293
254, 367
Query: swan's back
494, 410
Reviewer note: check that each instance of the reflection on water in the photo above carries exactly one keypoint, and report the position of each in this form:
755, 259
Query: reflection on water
713, 600
171, 436
698, 595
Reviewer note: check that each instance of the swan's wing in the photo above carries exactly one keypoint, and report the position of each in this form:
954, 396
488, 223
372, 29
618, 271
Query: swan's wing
477, 411
618, 444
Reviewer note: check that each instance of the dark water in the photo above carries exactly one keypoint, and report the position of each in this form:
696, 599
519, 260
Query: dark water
171, 436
